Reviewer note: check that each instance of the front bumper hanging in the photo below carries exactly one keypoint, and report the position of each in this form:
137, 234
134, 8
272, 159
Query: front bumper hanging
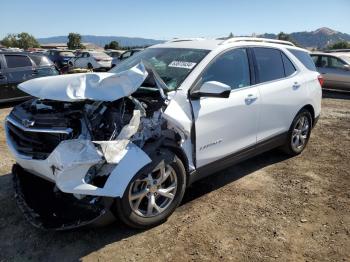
46, 207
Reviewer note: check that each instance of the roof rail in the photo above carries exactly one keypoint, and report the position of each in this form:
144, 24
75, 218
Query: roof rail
255, 39
185, 39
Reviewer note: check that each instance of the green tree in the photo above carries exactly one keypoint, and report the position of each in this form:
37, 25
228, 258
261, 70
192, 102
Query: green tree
230, 35
22, 40
340, 45
74, 41
286, 37
112, 45
26, 41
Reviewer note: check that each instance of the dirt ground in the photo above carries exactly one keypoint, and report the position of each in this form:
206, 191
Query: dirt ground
269, 208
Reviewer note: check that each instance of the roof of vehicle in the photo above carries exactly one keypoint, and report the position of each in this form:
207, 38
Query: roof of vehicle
212, 44
20, 53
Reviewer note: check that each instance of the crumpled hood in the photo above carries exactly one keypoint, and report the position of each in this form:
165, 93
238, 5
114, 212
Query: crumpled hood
92, 86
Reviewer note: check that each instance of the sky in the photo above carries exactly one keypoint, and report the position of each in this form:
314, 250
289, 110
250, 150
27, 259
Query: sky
168, 19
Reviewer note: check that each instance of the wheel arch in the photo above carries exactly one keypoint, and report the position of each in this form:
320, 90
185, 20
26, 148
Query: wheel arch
311, 110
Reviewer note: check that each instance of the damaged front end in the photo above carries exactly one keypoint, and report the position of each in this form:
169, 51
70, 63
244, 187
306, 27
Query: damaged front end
76, 155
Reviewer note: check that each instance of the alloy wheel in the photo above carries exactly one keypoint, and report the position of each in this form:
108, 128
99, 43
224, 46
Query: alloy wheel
153, 193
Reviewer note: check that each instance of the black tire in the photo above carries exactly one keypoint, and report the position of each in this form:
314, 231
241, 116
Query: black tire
288, 148
122, 207
90, 66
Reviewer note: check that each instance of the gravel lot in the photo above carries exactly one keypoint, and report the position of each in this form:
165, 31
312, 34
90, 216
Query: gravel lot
269, 208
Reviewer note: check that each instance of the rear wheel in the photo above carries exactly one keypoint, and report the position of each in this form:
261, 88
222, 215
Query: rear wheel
90, 66
299, 133
152, 197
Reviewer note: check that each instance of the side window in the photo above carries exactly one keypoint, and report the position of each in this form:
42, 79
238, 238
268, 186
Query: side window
334, 62
231, 68
269, 64
289, 68
324, 61
14, 61
126, 55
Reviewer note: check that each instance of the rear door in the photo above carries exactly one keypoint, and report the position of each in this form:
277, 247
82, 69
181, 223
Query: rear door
19, 68
280, 90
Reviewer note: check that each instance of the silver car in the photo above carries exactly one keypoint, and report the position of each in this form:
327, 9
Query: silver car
335, 69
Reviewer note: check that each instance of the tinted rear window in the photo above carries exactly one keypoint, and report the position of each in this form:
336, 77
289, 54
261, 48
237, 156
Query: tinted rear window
269, 63
41, 60
14, 61
304, 58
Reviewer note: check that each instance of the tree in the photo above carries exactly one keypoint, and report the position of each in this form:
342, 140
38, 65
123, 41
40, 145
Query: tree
26, 41
74, 41
112, 45
9, 41
286, 37
340, 45
22, 40
230, 35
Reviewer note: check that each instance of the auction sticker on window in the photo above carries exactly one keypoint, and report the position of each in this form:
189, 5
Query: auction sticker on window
182, 64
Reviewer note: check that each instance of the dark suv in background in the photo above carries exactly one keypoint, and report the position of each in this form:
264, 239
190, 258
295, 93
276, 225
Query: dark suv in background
60, 57
17, 67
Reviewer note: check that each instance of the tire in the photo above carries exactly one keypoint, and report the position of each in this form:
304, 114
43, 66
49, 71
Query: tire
89, 65
135, 213
299, 131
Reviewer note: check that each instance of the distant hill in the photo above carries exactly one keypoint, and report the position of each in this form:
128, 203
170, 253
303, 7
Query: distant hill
102, 40
319, 38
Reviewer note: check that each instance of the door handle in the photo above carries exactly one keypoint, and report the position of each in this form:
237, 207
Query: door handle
296, 85
250, 99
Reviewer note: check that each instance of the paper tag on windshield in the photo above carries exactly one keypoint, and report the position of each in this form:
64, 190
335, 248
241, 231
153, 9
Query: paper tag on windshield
182, 64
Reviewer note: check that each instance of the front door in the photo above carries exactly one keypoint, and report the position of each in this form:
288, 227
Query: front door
224, 126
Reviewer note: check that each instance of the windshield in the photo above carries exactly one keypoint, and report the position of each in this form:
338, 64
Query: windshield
65, 53
173, 65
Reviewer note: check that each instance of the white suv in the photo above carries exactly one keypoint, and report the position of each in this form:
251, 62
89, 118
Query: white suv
130, 141
91, 60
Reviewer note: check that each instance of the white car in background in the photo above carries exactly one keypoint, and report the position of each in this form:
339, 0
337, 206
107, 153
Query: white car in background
129, 142
91, 60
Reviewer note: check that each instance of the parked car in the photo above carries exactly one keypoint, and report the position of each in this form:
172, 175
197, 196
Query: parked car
95, 60
60, 57
17, 67
129, 142
125, 55
335, 69
114, 53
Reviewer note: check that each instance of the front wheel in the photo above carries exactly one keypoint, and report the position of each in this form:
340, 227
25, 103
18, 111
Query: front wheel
152, 197
299, 133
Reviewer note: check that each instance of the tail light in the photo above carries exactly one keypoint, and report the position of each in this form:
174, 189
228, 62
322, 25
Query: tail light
320, 80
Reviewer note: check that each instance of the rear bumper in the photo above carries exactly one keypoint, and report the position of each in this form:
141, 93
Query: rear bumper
45, 207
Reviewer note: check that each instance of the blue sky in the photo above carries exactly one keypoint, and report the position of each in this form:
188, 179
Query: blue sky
167, 19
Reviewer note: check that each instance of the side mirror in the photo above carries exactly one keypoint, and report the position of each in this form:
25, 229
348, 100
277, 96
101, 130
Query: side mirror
212, 89
347, 67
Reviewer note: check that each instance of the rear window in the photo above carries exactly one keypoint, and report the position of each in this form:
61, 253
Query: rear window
41, 60
67, 53
14, 61
269, 64
304, 58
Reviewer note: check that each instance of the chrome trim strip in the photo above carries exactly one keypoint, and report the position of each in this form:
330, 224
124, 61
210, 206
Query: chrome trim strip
38, 130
